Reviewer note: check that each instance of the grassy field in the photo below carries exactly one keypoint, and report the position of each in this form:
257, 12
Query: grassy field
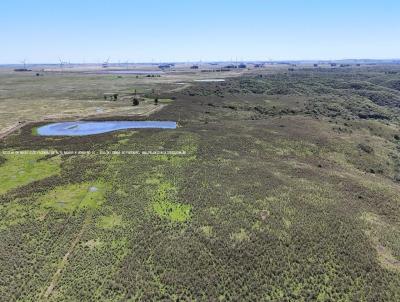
55, 95
76, 93
288, 190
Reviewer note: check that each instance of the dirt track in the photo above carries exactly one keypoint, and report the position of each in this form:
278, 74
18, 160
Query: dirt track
12, 129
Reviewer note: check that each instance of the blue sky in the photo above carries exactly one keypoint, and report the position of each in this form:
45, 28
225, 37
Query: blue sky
191, 30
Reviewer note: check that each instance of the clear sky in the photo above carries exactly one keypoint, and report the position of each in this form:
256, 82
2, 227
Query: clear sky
191, 30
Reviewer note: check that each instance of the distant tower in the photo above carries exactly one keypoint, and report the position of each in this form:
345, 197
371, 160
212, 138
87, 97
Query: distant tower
61, 63
105, 63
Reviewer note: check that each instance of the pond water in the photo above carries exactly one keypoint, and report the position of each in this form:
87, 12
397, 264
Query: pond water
133, 71
210, 80
80, 128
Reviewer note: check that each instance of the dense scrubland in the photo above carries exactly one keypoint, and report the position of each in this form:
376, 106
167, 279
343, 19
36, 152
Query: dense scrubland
288, 191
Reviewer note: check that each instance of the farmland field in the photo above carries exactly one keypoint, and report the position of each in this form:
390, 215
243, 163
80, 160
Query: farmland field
285, 187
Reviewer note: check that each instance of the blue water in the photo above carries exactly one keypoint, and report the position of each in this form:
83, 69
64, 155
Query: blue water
132, 71
88, 128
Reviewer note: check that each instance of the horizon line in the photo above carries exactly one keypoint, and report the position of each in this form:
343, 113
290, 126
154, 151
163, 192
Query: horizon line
203, 61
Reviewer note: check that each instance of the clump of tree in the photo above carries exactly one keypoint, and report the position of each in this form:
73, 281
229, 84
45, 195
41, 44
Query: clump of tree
111, 96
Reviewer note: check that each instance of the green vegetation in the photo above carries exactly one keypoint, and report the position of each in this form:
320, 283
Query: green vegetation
74, 197
165, 207
165, 101
110, 221
385, 236
240, 236
34, 131
288, 191
173, 211
11, 214
22, 169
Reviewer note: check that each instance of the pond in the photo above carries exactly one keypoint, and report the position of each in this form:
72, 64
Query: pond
210, 80
80, 128
133, 71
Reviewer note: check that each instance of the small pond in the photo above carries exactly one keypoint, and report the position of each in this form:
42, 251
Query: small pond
210, 80
133, 71
79, 128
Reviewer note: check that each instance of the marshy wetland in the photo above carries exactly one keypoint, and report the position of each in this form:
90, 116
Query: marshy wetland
287, 190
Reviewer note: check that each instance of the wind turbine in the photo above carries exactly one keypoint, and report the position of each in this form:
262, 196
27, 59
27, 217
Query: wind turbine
105, 63
24, 62
64, 63
61, 63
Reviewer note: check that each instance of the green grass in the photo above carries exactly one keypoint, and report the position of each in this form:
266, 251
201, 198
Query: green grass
172, 211
207, 230
20, 170
11, 214
285, 147
110, 221
165, 206
74, 197
123, 141
34, 131
240, 236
